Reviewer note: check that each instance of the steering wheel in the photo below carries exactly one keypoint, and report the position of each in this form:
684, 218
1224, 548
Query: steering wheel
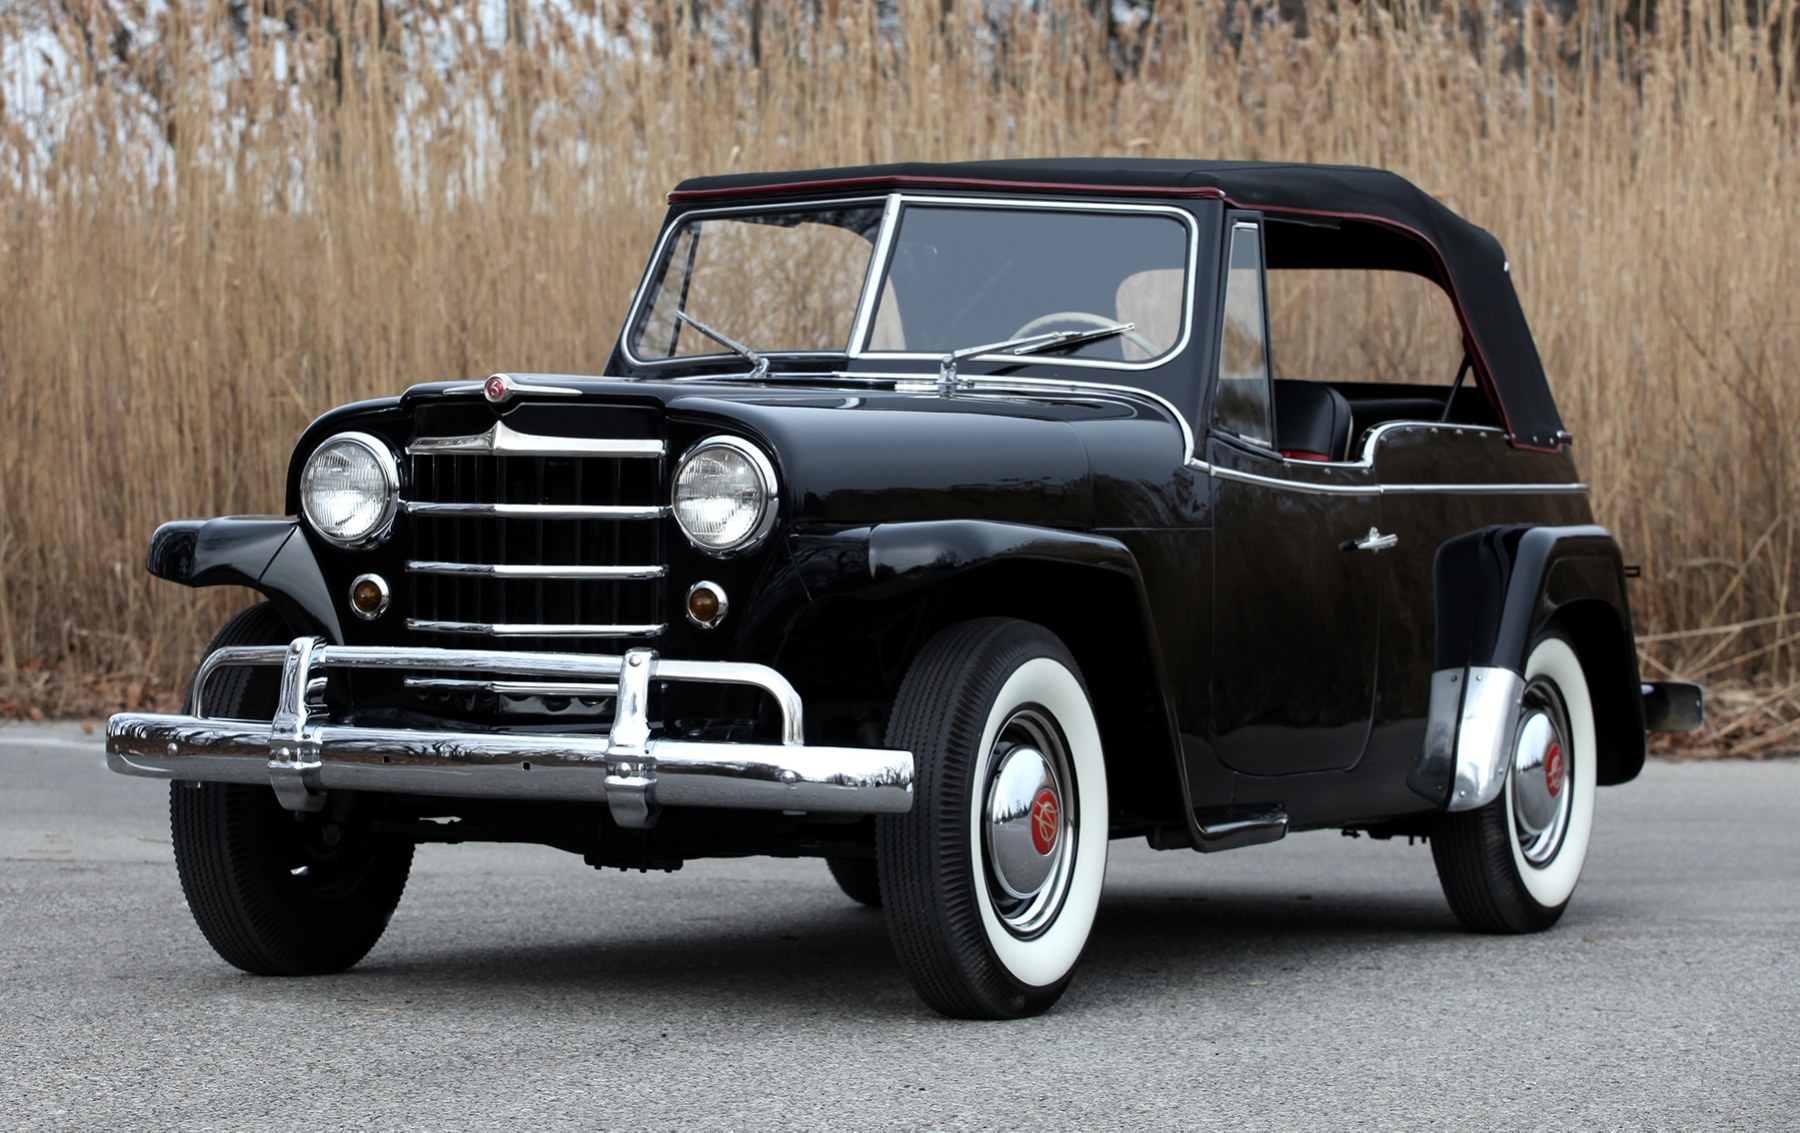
1085, 320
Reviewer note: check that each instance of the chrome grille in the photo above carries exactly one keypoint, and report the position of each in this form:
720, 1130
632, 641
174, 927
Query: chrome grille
550, 542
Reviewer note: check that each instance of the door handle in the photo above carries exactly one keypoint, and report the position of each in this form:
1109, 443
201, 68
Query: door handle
1374, 542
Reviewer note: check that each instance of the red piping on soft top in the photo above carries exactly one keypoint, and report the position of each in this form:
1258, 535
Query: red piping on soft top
1202, 192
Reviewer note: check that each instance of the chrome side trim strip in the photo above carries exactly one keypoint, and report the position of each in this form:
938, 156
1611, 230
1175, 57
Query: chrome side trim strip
513, 688
1382, 489
1485, 736
513, 570
1484, 489
533, 629
502, 440
538, 511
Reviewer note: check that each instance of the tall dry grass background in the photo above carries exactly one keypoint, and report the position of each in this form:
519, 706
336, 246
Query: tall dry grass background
212, 237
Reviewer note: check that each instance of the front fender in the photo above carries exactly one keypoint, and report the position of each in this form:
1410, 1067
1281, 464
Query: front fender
918, 553
879, 593
264, 553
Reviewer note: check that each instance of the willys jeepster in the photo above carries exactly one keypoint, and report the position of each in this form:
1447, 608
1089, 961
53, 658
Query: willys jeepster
943, 522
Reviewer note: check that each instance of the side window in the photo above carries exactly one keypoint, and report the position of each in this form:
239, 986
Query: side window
1337, 325
1241, 401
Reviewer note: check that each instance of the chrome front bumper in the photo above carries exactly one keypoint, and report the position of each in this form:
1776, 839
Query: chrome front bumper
302, 758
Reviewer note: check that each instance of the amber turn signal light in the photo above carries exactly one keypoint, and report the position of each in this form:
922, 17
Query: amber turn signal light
369, 596
706, 604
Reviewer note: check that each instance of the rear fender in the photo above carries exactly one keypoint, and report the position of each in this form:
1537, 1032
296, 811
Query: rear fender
1497, 591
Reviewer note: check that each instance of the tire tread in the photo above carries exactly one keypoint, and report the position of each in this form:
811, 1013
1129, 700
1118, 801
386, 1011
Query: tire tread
933, 920
219, 831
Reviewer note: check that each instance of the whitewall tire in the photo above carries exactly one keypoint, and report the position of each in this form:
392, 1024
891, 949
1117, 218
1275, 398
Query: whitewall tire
1512, 865
992, 881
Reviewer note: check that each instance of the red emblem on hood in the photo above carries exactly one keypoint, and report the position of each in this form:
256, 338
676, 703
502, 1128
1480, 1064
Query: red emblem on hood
1046, 821
495, 388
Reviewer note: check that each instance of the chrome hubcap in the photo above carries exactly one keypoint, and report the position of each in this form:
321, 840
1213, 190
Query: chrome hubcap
1027, 823
1542, 778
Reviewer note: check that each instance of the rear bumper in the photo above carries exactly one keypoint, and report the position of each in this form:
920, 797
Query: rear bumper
633, 774
1671, 706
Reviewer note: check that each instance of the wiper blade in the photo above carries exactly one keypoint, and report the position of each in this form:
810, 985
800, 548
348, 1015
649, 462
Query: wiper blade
1030, 344
757, 361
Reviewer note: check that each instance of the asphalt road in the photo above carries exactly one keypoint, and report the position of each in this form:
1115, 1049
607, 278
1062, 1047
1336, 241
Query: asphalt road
1316, 983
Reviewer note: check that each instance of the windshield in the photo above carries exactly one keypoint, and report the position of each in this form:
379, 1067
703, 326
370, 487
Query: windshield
963, 276
777, 282
957, 276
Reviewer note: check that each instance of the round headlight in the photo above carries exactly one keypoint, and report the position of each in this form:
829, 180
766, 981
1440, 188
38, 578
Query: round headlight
725, 495
349, 489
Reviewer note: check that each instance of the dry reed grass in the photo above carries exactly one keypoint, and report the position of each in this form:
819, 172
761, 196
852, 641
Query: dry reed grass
256, 228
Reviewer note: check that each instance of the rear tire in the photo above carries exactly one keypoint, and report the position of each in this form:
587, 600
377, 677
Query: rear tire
993, 878
1512, 865
275, 892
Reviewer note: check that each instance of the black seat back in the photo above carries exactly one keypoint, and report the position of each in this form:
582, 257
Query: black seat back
1312, 421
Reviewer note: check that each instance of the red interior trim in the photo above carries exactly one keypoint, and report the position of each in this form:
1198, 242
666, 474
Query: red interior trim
1203, 192
1298, 454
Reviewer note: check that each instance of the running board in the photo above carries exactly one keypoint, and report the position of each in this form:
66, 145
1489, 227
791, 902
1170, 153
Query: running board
1229, 828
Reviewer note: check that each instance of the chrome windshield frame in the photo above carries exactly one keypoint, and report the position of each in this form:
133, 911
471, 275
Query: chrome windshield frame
1098, 207
639, 299
893, 207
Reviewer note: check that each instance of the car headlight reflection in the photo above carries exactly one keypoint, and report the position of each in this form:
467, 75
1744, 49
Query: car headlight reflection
350, 489
725, 495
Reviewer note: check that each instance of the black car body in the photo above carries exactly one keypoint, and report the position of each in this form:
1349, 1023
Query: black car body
807, 573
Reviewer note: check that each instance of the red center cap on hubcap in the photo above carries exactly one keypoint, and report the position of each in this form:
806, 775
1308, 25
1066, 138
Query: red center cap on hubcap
1046, 821
1553, 769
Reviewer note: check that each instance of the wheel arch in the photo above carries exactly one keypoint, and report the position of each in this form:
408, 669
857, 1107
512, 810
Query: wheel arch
1085, 588
1497, 590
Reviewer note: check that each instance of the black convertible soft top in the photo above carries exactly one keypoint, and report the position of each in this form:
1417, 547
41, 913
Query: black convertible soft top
1467, 261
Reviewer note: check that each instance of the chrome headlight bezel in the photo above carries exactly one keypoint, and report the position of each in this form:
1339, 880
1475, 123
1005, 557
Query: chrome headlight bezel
767, 507
389, 469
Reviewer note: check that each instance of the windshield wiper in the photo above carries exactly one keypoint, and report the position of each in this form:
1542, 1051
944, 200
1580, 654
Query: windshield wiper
1030, 344
759, 364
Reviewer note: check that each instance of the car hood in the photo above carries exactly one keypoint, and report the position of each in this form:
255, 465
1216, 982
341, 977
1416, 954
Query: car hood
856, 455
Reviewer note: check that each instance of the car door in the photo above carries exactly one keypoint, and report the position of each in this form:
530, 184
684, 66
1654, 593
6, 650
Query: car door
1296, 573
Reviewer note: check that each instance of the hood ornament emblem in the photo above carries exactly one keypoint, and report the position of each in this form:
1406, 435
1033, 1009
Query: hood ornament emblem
499, 388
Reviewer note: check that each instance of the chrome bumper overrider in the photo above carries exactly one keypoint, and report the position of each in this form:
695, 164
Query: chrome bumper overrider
302, 758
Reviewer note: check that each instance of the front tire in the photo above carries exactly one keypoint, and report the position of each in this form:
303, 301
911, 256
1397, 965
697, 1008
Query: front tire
1512, 865
278, 893
993, 878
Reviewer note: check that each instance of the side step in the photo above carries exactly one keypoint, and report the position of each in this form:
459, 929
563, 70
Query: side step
1228, 828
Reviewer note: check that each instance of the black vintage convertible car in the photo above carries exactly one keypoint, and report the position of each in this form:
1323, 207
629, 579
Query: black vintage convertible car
943, 522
